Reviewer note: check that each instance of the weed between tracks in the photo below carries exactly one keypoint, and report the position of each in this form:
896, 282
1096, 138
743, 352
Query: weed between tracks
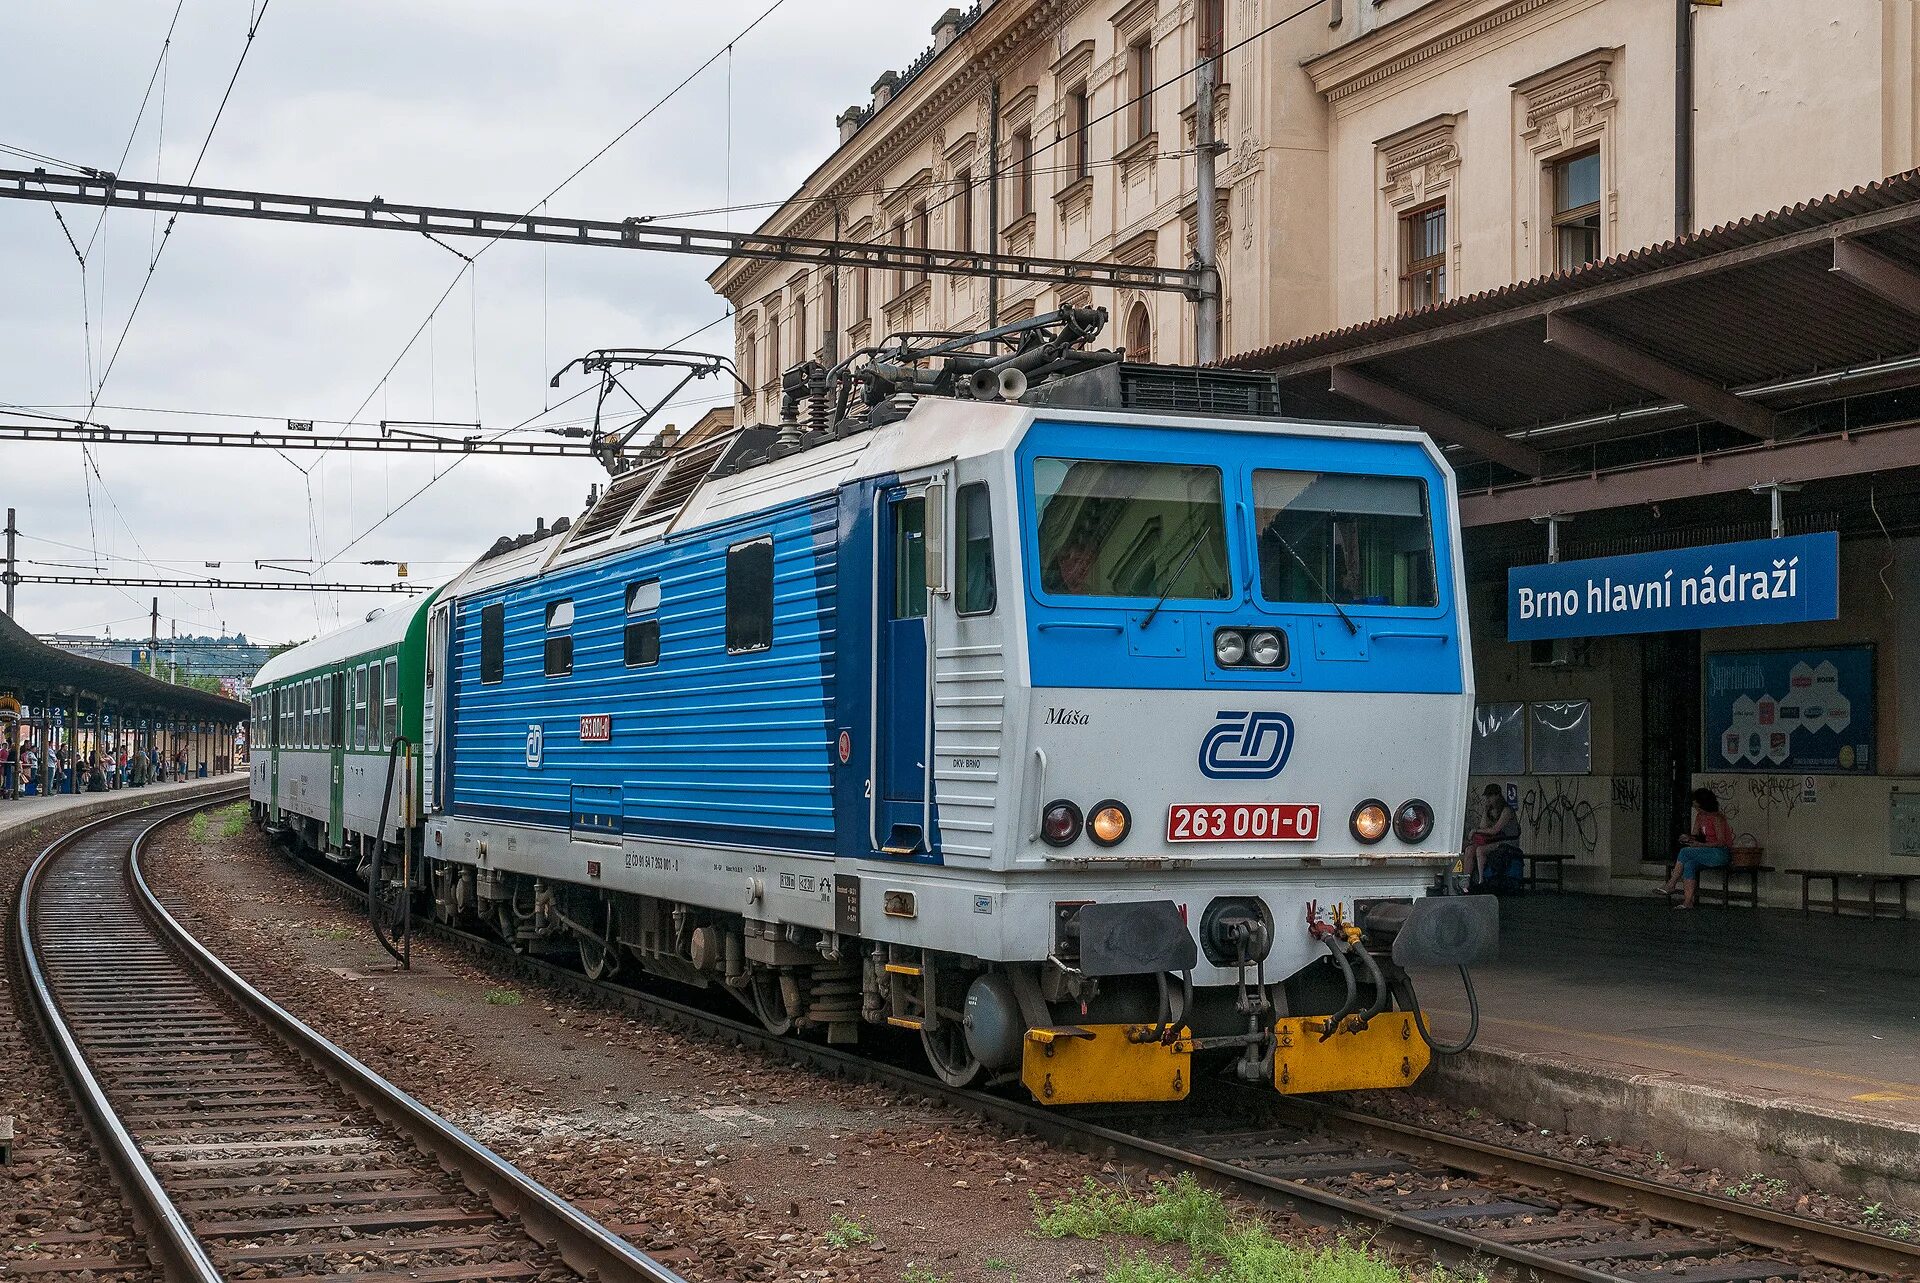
1221, 1248
233, 822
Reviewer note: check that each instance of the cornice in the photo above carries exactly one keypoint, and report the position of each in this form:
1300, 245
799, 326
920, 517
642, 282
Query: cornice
1420, 37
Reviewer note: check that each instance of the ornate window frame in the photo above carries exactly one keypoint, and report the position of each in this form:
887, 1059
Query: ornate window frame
1562, 111
1417, 167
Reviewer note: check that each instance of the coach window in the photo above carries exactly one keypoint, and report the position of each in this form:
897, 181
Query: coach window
560, 637
1345, 538
376, 697
750, 597
360, 707
392, 706
493, 652
643, 624
1118, 528
975, 551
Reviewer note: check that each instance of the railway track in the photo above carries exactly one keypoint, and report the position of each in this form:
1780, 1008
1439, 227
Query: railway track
245, 1143
1465, 1203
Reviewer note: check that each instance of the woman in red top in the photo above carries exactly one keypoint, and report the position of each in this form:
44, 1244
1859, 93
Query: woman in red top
1708, 846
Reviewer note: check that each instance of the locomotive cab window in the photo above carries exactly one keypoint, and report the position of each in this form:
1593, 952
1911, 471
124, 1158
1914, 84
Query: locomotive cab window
910, 558
642, 648
750, 597
974, 549
1344, 538
1119, 528
493, 649
560, 637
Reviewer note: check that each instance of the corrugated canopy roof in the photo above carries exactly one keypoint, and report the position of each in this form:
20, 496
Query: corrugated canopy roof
1734, 334
29, 666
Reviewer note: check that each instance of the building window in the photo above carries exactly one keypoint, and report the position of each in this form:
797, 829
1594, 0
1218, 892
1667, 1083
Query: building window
963, 209
857, 296
643, 624
1022, 171
774, 368
750, 596
1140, 86
802, 335
392, 704
975, 549
1075, 121
919, 237
1213, 27
898, 238
560, 637
1576, 210
1423, 257
493, 647
1139, 334
749, 357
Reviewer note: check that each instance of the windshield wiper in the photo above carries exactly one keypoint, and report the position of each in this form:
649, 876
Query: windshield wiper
1193, 546
1298, 560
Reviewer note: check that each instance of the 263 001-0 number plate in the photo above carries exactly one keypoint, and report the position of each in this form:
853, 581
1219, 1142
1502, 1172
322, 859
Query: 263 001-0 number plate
1243, 822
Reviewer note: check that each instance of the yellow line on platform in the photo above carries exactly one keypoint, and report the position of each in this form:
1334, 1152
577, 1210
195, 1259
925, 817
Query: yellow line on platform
1886, 1090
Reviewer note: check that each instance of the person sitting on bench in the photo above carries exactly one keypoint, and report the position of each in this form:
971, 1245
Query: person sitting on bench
1709, 845
1490, 848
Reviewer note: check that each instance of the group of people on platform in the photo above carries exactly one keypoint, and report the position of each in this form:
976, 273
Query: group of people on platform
1493, 847
23, 766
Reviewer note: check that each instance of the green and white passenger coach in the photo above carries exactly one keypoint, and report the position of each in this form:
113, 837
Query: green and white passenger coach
325, 718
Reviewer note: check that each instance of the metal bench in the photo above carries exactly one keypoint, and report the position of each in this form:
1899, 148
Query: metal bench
1870, 906
1728, 894
1558, 861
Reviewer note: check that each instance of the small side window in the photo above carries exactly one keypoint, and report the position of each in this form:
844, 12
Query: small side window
376, 695
493, 649
560, 637
750, 597
392, 718
360, 707
643, 624
975, 590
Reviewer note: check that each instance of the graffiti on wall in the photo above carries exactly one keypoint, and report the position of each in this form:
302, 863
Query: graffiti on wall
1559, 816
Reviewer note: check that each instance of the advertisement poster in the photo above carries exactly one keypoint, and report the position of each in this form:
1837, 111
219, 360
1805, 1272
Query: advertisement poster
1795, 711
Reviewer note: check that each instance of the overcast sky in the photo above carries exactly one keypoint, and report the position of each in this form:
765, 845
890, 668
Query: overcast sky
481, 103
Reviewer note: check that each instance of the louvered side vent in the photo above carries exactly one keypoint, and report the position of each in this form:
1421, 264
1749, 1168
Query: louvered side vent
620, 494
686, 469
1170, 388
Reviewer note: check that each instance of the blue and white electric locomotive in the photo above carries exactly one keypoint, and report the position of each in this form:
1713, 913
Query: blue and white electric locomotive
1091, 741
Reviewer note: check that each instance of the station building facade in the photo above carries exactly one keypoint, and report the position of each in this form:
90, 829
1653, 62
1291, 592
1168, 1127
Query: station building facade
1492, 219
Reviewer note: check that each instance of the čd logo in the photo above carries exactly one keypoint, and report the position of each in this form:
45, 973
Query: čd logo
1246, 746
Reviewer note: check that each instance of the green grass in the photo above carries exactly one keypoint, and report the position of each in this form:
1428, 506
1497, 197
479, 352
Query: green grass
844, 1232
233, 820
335, 933
503, 998
1220, 1248
921, 1274
197, 827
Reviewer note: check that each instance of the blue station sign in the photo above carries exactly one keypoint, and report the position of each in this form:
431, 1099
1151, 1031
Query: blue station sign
1728, 585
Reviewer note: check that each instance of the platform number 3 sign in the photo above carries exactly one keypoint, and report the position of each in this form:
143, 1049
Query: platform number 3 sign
536, 746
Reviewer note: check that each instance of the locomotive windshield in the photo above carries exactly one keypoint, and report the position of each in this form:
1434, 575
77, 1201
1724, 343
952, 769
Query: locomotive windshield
1345, 538
1111, 528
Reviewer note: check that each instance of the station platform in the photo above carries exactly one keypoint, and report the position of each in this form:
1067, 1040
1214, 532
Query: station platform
1736, 1037
20, 812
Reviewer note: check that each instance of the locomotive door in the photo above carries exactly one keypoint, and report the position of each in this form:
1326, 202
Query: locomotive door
337, 757
900, 673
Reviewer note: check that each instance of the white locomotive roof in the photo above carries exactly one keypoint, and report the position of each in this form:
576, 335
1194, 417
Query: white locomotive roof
937, 429
356, 639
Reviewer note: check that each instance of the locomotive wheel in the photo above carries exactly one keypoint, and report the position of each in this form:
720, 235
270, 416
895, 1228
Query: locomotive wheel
945, 1043
947, 1051
763, 995
600, 961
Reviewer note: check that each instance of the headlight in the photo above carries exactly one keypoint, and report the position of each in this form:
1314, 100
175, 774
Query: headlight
1109, 823
1369, 821
1413, 821
1266, 648
1229, 647
1060, 823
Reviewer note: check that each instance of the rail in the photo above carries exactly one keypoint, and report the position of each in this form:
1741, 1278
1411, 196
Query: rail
165, 992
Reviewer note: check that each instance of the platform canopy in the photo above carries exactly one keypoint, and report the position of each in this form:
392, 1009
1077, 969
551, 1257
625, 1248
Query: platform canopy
33, 670
1782, 347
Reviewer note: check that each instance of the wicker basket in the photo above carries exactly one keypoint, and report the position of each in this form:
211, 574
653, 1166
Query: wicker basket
1747, 853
